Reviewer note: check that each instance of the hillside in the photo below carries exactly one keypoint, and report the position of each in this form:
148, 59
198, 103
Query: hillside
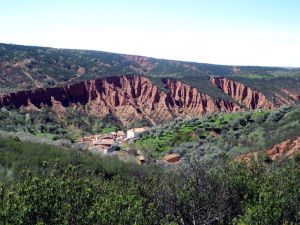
137, 98
238, 143
223, 133
27, 67
41, 184
62, 94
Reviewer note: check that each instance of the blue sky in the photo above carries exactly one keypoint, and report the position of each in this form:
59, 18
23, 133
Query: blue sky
231, 32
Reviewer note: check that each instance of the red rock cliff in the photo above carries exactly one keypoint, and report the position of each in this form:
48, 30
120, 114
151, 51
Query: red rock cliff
128, 98
287, 148
244, 95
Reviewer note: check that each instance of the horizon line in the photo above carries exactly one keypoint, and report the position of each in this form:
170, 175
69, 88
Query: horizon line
152, 57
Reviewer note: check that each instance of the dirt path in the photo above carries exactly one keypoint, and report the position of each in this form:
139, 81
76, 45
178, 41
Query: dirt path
36, 83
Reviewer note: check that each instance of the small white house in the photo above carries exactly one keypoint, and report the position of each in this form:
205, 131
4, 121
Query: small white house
135, 132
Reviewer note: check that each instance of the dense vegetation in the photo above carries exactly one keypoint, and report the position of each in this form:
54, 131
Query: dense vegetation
47, 185
48, 125
232, 133
42, 184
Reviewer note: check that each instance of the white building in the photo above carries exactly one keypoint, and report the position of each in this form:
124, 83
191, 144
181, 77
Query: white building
135, 132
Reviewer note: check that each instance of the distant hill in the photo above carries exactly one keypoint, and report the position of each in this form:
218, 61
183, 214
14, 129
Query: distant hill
135, 88
27, 67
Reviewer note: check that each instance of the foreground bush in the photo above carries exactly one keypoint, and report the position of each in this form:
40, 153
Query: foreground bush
72, 188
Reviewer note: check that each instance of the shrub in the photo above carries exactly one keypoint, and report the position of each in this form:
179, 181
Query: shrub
276, 115
242, 121
296, 156
260, 118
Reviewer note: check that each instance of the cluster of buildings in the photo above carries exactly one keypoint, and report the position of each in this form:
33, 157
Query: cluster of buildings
110, 142
102, 142
107, 143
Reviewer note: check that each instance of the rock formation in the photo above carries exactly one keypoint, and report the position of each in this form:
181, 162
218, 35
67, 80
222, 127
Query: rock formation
246, 96
143, 62
286, 148
128, 98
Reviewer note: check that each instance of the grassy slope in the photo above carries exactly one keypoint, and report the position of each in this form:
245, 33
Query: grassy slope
107, 191
16, 156
237, 132
48, 125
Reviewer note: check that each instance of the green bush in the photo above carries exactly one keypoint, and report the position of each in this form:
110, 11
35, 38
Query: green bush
296, 156
67, 187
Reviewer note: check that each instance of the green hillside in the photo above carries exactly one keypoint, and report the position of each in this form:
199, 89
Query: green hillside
51, 128
40, 184
232, 133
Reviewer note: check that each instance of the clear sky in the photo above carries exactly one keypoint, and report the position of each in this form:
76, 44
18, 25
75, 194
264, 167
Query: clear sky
235, 32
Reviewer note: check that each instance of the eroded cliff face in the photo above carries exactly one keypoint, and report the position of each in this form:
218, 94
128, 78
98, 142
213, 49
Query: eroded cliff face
286, 148
246, 96
283, 149
128, 98
184, 99
143, 62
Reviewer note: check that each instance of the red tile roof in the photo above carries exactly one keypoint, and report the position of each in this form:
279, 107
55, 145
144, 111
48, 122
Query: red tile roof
172, 158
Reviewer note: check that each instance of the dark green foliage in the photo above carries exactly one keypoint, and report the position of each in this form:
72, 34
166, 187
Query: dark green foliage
232, 133
296, 157
71, 188
276, 201
276, 115
140, 123
260, 118
72, 197
47, 124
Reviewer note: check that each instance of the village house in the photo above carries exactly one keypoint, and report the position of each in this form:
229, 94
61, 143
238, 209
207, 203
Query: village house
135, 132
172, 158
104, 145
120, 135
90, 138
103, 142
107, 142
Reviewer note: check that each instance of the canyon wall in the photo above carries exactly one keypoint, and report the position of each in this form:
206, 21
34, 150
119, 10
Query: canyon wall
244, 95
131, 98
128, 98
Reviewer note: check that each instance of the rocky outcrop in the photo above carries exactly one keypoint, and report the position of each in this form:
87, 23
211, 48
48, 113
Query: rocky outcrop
283, 149
142, 62
246, 96
292, 95
286, 97
286, 148
128, 98
184, 99
235, 69
283, 99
